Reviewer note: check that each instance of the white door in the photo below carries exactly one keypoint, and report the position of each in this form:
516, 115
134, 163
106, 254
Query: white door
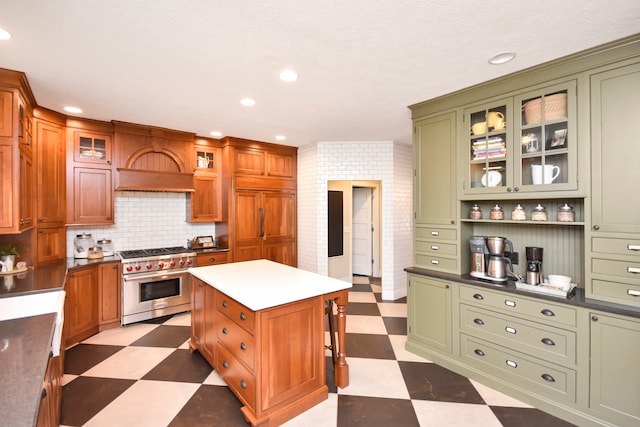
362, 231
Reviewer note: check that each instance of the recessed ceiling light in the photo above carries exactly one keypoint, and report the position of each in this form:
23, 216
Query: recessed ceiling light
73, 110
216, 133
502, 57
288, 76
248, 102
4, 34
281, 137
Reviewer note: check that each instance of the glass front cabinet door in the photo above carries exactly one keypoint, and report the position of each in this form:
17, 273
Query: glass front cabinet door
546, 139
488, 142
523, 144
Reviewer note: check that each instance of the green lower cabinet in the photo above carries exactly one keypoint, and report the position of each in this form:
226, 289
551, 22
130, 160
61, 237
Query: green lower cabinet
429, 314
615, 375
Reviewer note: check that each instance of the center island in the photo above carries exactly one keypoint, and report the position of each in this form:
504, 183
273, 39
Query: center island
260, 325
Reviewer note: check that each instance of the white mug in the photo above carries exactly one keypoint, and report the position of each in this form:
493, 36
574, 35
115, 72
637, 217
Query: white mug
551, 172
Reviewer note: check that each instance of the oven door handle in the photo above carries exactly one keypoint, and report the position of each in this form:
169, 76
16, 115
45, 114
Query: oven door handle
134, 277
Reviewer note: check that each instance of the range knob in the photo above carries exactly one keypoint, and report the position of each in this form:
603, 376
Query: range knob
138, 268
189, 262
129, 268
149, 266
161, 265
181, 262
173, 264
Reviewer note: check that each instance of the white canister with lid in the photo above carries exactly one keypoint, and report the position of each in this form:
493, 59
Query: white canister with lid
106, 245
81, 245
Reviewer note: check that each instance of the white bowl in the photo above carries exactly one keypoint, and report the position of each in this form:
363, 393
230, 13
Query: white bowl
560, 281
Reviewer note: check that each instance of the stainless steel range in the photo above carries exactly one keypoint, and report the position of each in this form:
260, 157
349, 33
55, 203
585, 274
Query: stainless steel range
155, 282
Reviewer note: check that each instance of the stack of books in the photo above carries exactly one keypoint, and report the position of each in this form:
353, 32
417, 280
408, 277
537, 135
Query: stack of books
492, 148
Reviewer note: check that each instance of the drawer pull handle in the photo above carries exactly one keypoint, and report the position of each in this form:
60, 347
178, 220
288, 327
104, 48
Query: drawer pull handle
509, 303
225, 331
633, 247
478, 352
548, 377
478, 296
511, 363
243, 316
435, 261
225, 364
224, 304
435, 233
511, 330
243, 346
478, 321
547, 341
212, 259
243, 384
633, 293
435, 247
634, 270
547, 312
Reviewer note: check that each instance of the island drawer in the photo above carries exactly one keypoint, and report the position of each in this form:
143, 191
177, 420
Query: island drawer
534, 309
238, 340
544, 379
236, 376
236, 312
545, 342
434, 247
436, 233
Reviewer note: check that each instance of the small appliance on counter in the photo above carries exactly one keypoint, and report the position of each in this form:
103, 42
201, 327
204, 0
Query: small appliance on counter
534, 265
497, 267
202, 242
479, 256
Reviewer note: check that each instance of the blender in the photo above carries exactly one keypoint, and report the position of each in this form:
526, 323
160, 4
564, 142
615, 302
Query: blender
496, 269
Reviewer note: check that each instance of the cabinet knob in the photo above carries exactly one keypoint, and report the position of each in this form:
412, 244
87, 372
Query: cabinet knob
225, 364
243, 384
243, 346
224, 304
516, 189
212, 259
243, 316
447, 286
225, 331
594, 318
596, 227
509, 190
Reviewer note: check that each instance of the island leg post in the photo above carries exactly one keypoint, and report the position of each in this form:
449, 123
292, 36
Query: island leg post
341, 368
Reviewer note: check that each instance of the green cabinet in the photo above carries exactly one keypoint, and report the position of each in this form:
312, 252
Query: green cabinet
521, 144
614, 253
435, 204
429, 315
615, 377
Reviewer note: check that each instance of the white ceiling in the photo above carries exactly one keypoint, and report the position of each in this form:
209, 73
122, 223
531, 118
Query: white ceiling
186, 64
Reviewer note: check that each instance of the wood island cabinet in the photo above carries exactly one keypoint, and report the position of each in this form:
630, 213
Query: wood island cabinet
49, 411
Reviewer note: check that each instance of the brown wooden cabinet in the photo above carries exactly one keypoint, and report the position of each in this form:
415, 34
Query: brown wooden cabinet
109, 295
203, 312
51, 174
204, 204
89, 172
81, 305
260, 190
51, 243
211, 258
17, 204
51, 397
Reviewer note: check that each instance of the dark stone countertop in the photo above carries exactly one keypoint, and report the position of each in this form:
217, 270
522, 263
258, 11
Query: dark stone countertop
578, 299
25, 345
39, 279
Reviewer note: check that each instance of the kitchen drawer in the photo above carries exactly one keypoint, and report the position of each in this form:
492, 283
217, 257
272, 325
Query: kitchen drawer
616, 246
508, 303
436, 262
211, 258
436, 248
536, 376
546, 342
236, 376
236, 311
238, 340
436, 233
622, 293
626, 269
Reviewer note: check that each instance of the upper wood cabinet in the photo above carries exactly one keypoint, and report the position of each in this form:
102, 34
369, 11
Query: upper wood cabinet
204, 204
51, 172
89, 172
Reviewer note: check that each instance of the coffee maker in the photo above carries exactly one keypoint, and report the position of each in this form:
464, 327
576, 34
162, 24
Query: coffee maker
479, 256
497, 267
534, 265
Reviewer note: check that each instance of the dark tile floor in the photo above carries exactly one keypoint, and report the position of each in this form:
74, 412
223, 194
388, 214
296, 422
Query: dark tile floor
144, 375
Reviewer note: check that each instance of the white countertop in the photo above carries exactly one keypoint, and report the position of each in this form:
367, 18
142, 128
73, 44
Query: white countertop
263, 284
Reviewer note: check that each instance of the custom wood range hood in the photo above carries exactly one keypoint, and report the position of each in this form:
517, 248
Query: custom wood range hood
149, 158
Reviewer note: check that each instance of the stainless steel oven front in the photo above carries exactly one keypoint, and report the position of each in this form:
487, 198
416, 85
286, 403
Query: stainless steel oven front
146, 296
